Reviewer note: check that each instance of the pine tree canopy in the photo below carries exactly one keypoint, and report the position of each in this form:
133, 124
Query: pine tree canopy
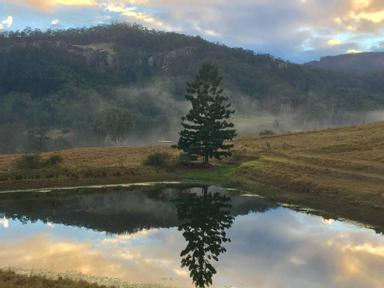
207, 126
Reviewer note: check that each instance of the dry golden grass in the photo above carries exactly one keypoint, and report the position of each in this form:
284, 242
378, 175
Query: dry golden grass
93, 157
344, 161
10, 279
87, 166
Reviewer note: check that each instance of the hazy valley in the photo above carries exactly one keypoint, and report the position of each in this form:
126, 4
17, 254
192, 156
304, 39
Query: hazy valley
124, 84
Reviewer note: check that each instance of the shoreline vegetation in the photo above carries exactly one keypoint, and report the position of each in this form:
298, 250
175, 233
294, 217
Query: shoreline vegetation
42, 279
11, 279
339, 171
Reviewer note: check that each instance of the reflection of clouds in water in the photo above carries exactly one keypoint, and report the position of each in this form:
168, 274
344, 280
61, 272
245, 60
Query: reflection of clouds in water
123, 238
327, 221
125, 257
279, 248
367, 248
4, 222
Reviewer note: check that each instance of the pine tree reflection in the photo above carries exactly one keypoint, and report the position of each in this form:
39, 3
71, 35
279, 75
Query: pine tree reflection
204, 219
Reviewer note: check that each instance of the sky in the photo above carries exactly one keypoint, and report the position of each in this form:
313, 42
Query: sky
295, 30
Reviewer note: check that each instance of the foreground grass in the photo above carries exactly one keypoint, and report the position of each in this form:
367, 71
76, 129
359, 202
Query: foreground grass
218, 174
9, 279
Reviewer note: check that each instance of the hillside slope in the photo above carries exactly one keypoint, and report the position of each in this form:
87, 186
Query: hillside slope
60, 89
334, 160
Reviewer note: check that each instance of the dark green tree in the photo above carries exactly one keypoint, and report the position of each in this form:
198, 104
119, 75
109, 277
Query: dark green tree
207, 126
203, 220
118, 124
115, 124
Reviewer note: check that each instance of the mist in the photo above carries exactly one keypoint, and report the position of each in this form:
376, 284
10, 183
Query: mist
155, 109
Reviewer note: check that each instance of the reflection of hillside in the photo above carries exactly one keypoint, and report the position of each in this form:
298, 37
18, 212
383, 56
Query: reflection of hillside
110, 211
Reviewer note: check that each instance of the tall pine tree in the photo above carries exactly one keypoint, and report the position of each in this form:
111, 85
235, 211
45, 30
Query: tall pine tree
207, 126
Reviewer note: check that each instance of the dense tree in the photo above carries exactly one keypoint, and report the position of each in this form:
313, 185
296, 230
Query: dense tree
113, 124
117, 124
207, 126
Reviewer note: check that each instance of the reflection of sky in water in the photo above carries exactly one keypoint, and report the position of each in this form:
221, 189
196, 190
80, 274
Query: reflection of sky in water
278, 248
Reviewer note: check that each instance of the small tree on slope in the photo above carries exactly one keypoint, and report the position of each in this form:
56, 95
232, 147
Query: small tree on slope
207, 126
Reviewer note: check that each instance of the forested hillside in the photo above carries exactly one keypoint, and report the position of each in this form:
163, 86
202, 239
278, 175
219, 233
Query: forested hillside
118, 84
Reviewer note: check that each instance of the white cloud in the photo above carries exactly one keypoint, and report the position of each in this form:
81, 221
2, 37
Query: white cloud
333, 42
4, 222
55, 22
6, 23
49, 4
128, 12
354, 51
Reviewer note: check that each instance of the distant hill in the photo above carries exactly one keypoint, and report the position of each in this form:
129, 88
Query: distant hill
124, 84
359, 63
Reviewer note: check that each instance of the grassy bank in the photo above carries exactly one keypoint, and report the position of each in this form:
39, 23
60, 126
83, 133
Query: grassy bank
24, 279
9, 279
340, 171
346, 164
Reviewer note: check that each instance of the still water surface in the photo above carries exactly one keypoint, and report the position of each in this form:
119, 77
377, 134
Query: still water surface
173, 236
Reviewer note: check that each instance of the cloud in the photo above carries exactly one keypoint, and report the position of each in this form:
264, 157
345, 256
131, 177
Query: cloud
4, 222
49, 4
6, 23
285, 29
131, 13
55, 22
354, 51
334, 42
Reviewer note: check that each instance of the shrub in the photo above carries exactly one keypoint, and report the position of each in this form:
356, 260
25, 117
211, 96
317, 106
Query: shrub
185, 158
29, 161
34, 161
54, 160
158, 159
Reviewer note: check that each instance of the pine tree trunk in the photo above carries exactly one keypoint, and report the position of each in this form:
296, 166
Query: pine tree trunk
205, 191
206, 160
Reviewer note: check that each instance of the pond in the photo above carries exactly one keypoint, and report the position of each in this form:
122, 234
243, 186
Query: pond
182, 236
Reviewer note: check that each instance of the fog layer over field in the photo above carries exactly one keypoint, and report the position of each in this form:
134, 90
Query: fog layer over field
152, 114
